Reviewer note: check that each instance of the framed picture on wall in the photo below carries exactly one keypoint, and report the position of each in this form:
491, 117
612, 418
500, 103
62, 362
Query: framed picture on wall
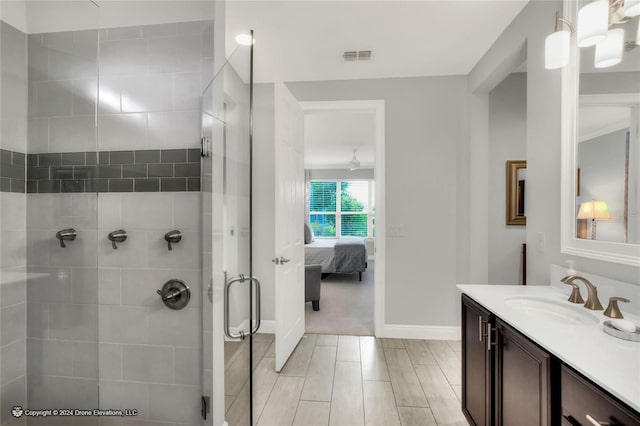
516, 184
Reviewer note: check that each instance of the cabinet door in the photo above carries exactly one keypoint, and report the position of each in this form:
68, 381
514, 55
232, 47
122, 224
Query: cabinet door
522, 386
476, 364
584, 404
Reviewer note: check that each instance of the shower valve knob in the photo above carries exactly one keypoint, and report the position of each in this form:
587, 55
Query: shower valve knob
118, 236
68, 234
172, 237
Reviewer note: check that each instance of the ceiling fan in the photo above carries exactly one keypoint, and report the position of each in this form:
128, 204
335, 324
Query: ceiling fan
354, 164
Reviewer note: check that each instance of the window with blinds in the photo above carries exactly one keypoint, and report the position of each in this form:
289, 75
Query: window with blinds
342, 208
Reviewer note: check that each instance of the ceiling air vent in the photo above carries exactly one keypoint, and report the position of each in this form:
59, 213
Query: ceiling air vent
364, 55
351, 55
357, 55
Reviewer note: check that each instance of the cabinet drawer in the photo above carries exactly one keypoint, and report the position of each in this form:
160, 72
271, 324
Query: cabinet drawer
581, 399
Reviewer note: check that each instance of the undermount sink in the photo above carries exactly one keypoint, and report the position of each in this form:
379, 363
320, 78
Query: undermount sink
552, 310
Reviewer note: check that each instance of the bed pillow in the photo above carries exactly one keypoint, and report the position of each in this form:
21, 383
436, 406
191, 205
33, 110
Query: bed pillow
308, 234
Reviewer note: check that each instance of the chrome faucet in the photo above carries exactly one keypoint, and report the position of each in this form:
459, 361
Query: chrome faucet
592, 292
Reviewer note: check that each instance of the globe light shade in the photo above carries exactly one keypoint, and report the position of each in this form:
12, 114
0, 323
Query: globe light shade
556, 50
631, 8
593, 23
244, 39
609, 51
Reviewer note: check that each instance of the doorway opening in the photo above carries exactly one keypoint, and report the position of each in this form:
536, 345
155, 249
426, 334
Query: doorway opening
344, 216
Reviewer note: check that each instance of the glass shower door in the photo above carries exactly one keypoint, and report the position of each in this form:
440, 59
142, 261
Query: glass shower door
226, 141
61, 210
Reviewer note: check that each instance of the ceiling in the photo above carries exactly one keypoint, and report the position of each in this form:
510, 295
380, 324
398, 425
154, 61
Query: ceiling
598, 120
304, 40
331, 136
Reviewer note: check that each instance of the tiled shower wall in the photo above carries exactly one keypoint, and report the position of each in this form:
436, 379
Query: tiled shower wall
95, 316
13, 140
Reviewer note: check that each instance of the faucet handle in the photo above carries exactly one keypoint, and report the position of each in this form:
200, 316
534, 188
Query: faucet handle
575, 297
612, 310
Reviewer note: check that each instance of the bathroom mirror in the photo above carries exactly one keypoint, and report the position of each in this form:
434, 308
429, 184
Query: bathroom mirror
601, 152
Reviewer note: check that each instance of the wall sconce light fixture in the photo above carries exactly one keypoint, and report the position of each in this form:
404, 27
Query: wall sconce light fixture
595, 20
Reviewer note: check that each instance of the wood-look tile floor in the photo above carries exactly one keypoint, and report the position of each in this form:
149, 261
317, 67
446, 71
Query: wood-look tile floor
347, 381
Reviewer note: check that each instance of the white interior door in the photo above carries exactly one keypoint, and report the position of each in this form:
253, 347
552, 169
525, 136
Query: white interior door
289, 232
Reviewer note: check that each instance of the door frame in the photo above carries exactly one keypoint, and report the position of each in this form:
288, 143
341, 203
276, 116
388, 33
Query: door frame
378, 107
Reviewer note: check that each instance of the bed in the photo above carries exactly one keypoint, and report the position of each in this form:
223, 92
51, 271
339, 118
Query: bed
344, 255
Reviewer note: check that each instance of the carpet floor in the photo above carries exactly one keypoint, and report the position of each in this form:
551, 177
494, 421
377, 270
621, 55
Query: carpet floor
346, 305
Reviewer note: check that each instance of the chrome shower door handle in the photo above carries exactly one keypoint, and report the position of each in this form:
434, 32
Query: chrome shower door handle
227, 331
254, 329
255, 281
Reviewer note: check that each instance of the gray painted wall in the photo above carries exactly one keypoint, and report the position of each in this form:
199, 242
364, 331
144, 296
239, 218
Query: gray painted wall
528, 29
424, 127
507, 141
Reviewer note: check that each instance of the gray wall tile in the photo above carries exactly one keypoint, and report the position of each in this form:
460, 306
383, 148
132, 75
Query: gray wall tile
37, 58
175, 54
173, 184
49, 357
174, 129
123, 33
160, 170
144, 363
121, 132
53, 98
121, 157
72, 134
147, 93
85, 95
123, 57
187, 170
14, 361
147, 185
159, 30
173, 155
187, 91
72, 158
148, 156
134, 171
16, 316
120, 185
73, 322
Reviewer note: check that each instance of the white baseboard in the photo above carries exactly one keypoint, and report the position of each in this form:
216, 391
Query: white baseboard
267, 327
395, 331
426, 332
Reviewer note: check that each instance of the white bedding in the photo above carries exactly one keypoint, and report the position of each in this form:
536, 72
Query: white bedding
321, 252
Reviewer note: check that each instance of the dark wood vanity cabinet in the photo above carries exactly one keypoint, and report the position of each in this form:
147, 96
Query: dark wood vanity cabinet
522, 380
477, 366
505, 377
584, 404
508, 380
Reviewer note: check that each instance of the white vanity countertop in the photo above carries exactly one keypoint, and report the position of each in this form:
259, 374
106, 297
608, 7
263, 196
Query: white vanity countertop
612, 363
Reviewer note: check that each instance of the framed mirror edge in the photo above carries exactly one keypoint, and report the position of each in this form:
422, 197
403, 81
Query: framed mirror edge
627, 254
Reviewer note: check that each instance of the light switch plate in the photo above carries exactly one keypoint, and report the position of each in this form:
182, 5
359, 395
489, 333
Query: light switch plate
540, 239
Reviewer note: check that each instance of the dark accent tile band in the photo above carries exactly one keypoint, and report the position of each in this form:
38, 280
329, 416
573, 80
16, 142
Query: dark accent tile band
13, 168
112, 171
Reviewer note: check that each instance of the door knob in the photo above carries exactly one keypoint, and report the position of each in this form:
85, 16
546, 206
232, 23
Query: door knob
280, 260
